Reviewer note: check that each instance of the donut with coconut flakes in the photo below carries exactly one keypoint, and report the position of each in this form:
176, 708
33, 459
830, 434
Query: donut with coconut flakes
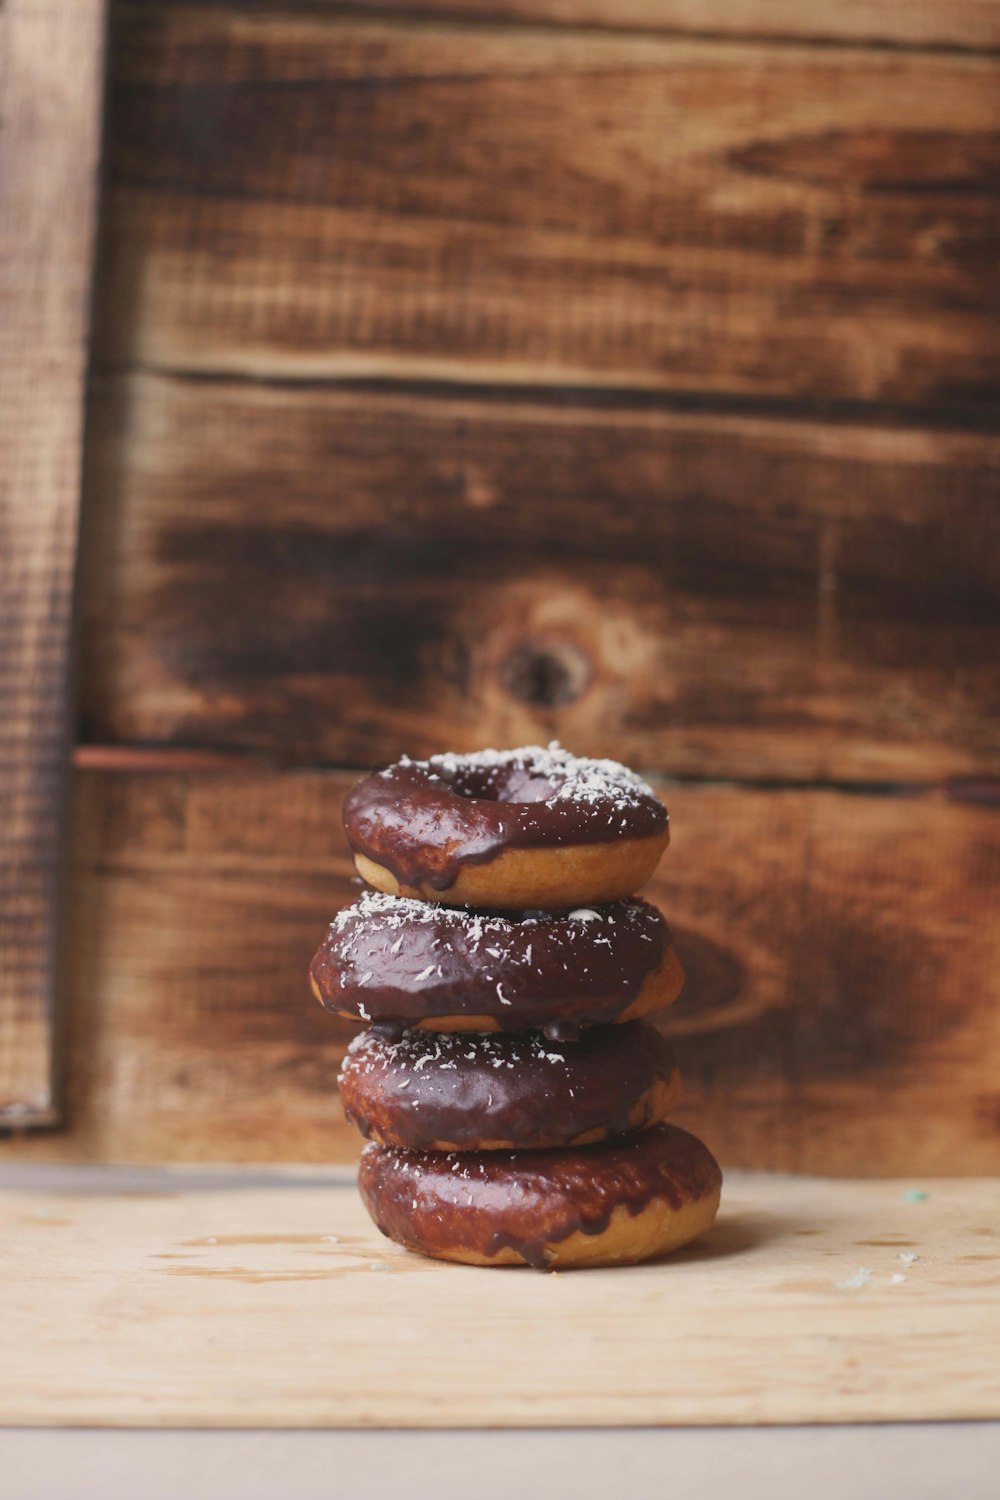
534, 827
604, 1205
458, 1091
410, 964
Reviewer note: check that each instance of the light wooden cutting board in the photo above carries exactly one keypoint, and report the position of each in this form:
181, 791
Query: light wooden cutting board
185, 1300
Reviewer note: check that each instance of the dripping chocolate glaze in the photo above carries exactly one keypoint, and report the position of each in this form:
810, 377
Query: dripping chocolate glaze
464, 1088
529, 1200
423, 820
395, 961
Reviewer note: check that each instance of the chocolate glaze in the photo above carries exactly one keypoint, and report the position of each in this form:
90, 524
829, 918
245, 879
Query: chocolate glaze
423, 820
528, 1200
393, 960
464, 1088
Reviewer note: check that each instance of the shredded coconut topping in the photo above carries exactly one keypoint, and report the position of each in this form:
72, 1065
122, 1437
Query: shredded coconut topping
574, 777
391, 913
394, 912
415, 1050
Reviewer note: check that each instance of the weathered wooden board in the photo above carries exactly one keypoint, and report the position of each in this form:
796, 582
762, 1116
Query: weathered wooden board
840, 1013
50, 71
188, 1304
303, 195
335, 575
966, 23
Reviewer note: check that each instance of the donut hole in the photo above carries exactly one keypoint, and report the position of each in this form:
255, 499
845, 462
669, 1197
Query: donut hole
498, 783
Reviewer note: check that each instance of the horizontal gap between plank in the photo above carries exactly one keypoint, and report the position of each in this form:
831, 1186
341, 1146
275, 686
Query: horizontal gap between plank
418, 17
831, 411
154, 759
99, 1179
16, 1120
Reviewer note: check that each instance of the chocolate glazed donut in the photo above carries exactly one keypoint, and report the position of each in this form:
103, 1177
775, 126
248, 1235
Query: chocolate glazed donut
407, 964
609, 1204
529, 827
461, 1092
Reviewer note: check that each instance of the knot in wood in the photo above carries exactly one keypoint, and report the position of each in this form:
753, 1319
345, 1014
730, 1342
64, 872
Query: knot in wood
546, 674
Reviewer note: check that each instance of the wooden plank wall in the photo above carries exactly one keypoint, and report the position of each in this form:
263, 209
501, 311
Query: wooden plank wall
50, 90
575, 369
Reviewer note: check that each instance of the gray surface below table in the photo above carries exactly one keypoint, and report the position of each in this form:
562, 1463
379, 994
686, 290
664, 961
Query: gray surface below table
956, 1461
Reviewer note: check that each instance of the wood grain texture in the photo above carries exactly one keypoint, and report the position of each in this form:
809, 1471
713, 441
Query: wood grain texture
914, 23
279, 1305
311, 196
840, 1012
49, 107
331, 576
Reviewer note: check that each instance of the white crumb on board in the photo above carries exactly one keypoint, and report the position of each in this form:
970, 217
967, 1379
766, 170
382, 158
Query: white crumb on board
860, 1278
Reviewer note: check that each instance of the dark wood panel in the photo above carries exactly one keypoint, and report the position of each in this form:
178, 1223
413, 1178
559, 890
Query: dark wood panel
916, 23
307, 195
334, 576
839, 1015
49, 107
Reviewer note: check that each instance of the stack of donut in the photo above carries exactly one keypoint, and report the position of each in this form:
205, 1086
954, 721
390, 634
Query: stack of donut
513, 1099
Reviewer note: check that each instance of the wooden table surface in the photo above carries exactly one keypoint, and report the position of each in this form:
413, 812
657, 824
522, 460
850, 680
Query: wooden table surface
270, 1301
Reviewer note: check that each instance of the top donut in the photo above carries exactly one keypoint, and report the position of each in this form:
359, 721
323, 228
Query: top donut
533, 827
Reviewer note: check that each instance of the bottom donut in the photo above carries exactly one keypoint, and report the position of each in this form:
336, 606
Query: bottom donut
609, 1204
